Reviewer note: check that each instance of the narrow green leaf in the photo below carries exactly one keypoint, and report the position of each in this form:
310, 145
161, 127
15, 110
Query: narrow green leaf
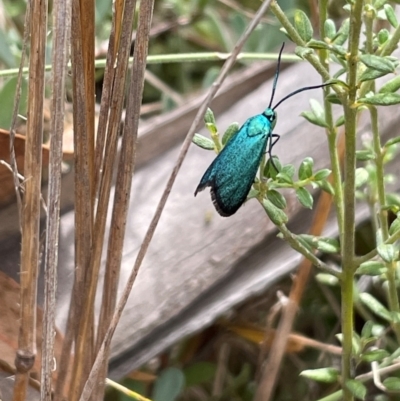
327, 279
230, 132
333, 98
357, 388
306, 168
330, 28
203, 142
270, 171
313, 119
387, 252
391, 86
209, 117
366, 331
377, 63
318, 44
376, 355
322, 174
288, 170
303, 25
381, 99
371, 268
369, 74
276, 215
375, 306
326, 186
276, 198
325, 375
305, 198
390, 15
343, 33
328, 245
364, 155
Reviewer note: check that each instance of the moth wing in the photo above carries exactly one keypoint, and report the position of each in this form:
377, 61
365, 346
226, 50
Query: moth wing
232, 173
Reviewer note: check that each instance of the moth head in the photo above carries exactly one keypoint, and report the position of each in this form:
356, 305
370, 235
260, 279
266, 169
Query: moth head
271, 116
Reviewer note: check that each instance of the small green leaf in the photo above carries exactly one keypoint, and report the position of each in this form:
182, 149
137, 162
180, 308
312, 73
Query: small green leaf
209, 117
381, 99
362, 177
324, 375
276, 198
326, 186
203, 142
366, 331
377, 63
369, 74
328, 245
317, 109
376, 355
270, 169
340, 121
318, 44
322, 174
357, 388
313, 119
330, 29
343, 33
230, 132
364, 155
387, 252
306, 168
371, 268
303, 25
333, 98
392, 383
390, 15
288, 170
304, 197
276, 215
327, 279
391, 86
383, 36
375, 306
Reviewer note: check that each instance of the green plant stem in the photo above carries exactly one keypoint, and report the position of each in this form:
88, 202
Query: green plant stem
311, 58
392, 44
179, 58
331, 130
347, 247
383, 218
299, 247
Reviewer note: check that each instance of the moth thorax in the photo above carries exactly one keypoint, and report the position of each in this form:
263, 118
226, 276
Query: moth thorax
271, 116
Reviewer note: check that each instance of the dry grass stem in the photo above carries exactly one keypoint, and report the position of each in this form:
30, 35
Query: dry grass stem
103, 351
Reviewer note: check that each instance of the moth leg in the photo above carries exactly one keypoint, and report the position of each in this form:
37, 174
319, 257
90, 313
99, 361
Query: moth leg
271, 143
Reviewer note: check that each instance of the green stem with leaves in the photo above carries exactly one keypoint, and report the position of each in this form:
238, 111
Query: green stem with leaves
331, 129
348, 235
